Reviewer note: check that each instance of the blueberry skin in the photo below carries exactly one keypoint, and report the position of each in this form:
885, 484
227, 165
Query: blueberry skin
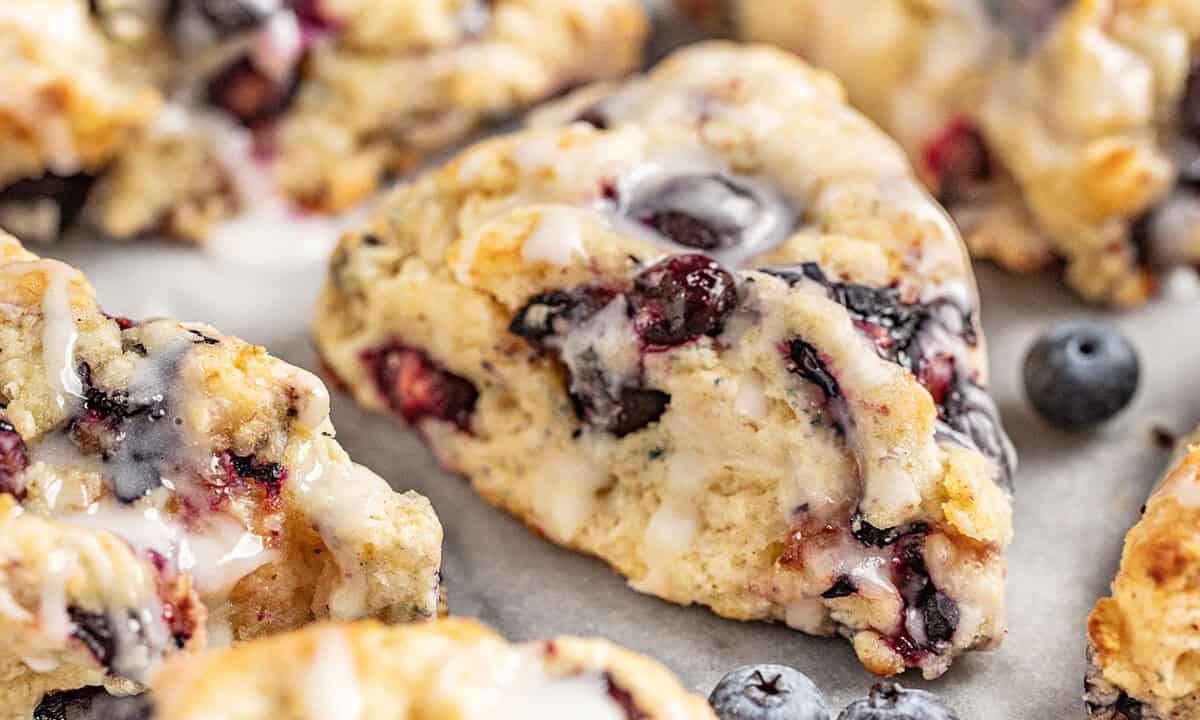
1081, 373
767, 692
889, 701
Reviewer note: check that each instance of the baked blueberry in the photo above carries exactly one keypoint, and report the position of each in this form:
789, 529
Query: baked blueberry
416, 388
681, 298
13, 459
248, 94
889, 701
957, 161
705, 211
1081, 373
767, 692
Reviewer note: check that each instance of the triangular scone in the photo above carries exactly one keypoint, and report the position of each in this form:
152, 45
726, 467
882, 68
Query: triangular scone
810, 443
163, 485
1058, 133
165, 117
1144, 639
448, 669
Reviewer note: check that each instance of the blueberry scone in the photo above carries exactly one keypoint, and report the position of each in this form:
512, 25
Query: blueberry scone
1143, 637
168, 115
1052, 130
163, 486
713, 332
444, 670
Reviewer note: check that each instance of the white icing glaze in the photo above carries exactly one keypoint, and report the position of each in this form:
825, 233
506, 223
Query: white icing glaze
581, 697
607, 339
217, 553
278, 46
331, 688
557, 239
59, 333
676, 522
312, 400
766, 218
335, 494
567, 487
751, 399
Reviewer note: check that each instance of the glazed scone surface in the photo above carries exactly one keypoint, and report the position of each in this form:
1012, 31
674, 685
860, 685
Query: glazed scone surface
1052, 130
443, 670
163, 485
1143, 638
170, 116
810, 443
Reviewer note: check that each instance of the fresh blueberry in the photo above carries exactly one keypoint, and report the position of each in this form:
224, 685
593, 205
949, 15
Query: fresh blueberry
681, 298
767, 692
1081, 373
13, 459
889, 701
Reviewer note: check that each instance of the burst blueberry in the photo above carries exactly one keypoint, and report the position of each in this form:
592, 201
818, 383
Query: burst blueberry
680, 299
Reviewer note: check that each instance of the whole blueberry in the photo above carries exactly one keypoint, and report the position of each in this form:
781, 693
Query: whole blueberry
767, 692
1081, 373
889, 701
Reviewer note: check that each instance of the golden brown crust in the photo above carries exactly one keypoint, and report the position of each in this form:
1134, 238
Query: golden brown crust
442, 670
1143, 637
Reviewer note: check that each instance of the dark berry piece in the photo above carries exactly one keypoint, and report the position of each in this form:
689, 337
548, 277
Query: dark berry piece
937, 613
705, 211
957, 161
416, 388
767, 692
624, 698
868, 534
940, 614
889, 701
555, 312
249, 95
595, 116
95, 630
681, 298
93, 703
806, 362
638, 407
127, 428
841, 587
1081, 373
68, 194
13, 459
246, 466
1130, 708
